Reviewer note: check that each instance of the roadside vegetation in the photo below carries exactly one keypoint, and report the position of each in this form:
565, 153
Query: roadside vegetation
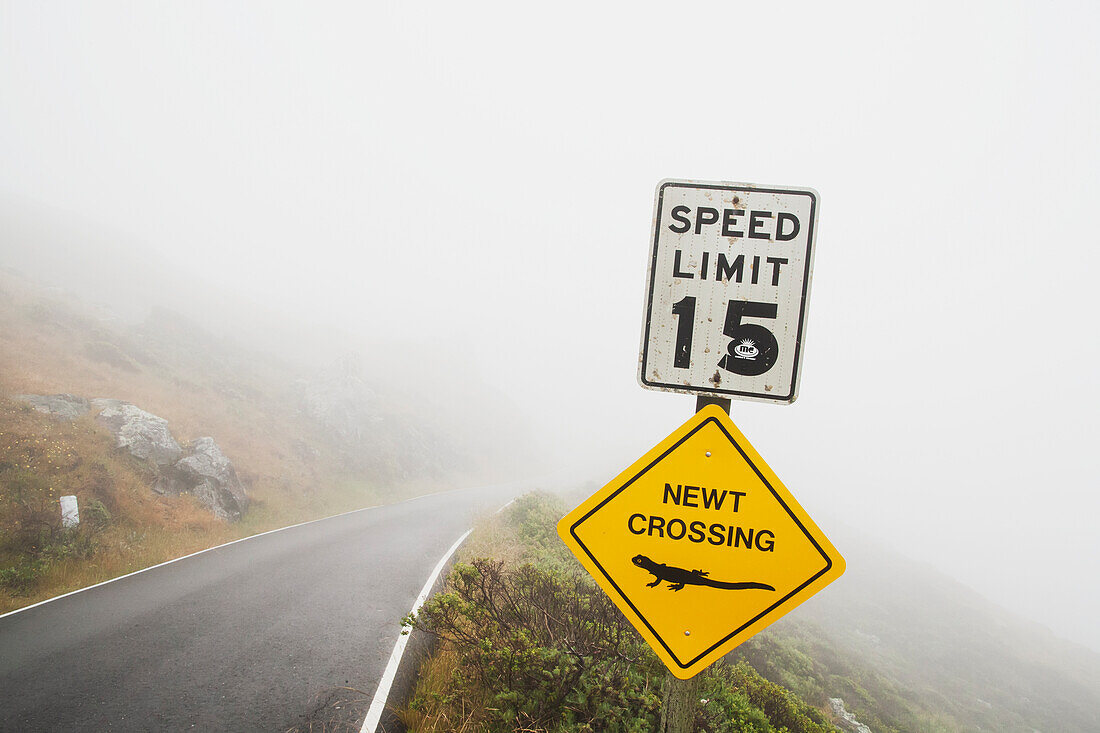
528, 642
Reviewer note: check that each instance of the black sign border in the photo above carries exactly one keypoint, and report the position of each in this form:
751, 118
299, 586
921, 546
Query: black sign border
762, 614
672, 387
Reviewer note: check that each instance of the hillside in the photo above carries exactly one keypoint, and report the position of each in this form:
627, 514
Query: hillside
909, 649
304, 442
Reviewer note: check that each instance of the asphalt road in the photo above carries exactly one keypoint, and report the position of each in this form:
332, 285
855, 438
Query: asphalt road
243, 637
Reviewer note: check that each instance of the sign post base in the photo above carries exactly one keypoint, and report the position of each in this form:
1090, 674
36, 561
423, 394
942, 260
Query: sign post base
678, 704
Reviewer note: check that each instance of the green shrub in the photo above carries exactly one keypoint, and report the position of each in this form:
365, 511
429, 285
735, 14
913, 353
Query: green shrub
96, 515
32, 513
727, 710
21, 578
542, 650
783, 709
535, 516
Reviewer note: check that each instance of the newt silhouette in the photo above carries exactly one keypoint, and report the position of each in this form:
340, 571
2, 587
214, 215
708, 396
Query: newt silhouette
678, 577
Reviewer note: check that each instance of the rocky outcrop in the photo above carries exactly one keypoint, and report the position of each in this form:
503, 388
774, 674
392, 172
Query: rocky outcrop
142, 433
60, 406
202, 470
208, 474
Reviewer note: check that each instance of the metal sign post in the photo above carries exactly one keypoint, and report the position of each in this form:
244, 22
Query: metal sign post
679, 696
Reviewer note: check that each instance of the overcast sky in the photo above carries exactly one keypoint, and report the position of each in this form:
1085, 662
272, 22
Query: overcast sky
477, 181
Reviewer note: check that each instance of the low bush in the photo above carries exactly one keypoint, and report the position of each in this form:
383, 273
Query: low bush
540, 649
21, 578
32, 511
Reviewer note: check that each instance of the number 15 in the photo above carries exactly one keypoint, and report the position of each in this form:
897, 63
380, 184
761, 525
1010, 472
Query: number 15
753, 349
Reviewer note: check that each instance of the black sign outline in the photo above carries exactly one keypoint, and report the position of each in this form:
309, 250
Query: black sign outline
690, 389
763, 480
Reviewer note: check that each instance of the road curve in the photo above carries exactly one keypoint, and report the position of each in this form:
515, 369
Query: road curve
240, 638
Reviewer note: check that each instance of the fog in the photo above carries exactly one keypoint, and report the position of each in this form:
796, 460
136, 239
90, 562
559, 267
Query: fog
467, 192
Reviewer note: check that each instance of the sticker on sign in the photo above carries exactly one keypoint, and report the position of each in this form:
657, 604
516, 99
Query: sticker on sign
728, 289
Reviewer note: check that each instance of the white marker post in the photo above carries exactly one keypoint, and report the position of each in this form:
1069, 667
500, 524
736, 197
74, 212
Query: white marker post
70, 513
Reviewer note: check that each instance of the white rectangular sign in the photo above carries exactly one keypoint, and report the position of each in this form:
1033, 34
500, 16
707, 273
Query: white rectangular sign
728, 288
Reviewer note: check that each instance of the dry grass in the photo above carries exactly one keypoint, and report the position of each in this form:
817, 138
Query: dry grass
78, 458
433, 714
492, 537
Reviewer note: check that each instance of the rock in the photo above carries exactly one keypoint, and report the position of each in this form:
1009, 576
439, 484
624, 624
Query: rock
846, 720
204, 471
209, 475
341, 402
60, 406
142, 433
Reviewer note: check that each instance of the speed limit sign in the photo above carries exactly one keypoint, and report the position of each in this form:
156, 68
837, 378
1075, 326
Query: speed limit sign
727, 289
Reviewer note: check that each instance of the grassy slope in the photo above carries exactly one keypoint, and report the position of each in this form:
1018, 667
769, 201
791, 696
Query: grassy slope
294, 472
911, 650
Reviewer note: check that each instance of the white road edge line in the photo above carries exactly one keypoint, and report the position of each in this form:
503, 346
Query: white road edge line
378, 704
211, 549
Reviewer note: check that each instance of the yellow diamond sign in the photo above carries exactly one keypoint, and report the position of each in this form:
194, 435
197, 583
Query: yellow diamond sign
699, 544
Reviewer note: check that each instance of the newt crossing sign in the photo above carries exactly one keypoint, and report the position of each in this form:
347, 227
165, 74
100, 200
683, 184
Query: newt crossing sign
699, 544
727, 289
